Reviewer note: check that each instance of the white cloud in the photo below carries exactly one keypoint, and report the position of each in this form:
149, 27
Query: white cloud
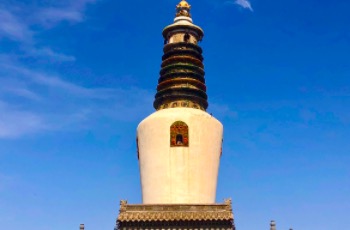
18, 20
54, 15
34, 101
71, 12
49, 53
13, 28
38, 101
15, 122
55, 82
244, 4
20, 92
221, 111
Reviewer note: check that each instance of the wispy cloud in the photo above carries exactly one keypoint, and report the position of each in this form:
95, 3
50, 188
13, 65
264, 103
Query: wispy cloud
13, 28
49, 16
20, 92
53, 103
245, 4
72, 11
14, 122
49, 53
221, 111
19, 22
36, 99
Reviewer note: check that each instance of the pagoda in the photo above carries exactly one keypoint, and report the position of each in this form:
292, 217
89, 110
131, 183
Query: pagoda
179, 146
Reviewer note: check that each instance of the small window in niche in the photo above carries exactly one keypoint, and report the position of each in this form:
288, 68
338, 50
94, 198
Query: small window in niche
179, 139
186, 37
179, 134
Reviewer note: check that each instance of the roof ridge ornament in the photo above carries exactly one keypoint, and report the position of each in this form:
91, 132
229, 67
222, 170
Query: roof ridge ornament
123, 205
183, 9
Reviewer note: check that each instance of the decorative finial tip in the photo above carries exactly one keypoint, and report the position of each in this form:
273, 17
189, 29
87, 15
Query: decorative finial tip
183, 9
184, 4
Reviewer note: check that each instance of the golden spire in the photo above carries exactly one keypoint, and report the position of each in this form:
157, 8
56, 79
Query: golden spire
183, 9
184, 4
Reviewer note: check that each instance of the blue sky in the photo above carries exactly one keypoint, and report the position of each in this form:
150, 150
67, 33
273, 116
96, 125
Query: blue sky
77, 76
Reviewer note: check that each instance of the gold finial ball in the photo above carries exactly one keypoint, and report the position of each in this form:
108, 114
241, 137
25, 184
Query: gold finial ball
184, 4
183, 9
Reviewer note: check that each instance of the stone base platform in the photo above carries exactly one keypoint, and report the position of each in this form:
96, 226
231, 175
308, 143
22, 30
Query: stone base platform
176, 217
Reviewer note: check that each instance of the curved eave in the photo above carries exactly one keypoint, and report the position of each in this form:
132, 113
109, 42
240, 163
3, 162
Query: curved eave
185, 26
174, 216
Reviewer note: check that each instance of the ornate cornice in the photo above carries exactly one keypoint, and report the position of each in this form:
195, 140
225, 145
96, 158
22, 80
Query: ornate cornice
175, 212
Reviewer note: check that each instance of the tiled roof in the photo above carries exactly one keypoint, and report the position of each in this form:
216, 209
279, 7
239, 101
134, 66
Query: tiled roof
175, 212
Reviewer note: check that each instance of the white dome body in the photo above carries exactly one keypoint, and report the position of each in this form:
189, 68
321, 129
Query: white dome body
179, 167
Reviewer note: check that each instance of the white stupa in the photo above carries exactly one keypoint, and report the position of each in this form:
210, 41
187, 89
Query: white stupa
179, 145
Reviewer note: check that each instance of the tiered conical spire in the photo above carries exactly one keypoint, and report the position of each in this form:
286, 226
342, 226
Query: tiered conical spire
181, 82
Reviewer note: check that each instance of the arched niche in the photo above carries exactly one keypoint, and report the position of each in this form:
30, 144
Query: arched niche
179, 134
